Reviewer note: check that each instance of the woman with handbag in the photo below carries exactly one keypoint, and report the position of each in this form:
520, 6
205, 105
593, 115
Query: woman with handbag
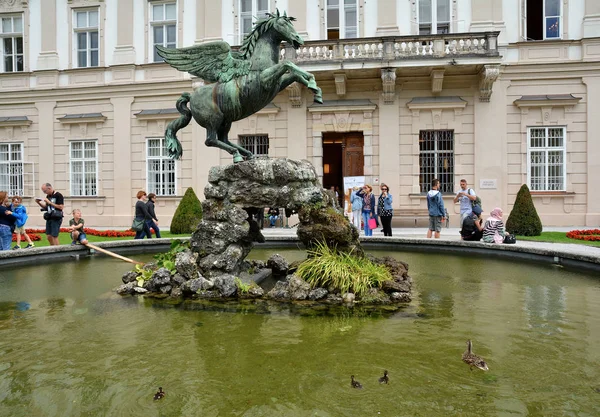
368, 208
384, 209
142, 217
493, 230
7, 222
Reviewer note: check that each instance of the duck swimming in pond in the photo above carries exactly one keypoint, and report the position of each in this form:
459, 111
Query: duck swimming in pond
354, 383
384, 379
160, 394
473, 360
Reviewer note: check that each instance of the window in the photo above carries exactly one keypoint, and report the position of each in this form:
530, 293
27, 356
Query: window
342, 19
546, 155
434, 17
11, 48
84, 168
11, 168
163, 27
544, 19
161, 168
249, 10
436, 159
257, 144
86, 38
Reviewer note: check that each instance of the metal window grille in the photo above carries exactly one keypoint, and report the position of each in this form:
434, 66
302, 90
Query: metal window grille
436, 159
161, 169
84, 168
86, 36
163, 26
257, 144
547, 156
11, 43
11, 168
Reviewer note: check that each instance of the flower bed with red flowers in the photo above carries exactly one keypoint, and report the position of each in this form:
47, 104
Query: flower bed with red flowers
91, 232
590, 235
34, 237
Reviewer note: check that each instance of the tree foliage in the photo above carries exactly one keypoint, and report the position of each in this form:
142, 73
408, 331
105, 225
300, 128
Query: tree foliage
523, 219
188, 214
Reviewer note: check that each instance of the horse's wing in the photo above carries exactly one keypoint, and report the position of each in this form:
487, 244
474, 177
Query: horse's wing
211, 61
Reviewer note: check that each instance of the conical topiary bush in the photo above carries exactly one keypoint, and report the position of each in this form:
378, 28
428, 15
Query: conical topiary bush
523, 219
188, 214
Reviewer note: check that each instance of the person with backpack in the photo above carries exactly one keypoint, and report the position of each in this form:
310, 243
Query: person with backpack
435, 205
472, 227
467, 198
357, 204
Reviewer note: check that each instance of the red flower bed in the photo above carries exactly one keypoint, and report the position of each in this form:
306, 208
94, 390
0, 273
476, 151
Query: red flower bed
91, 232
34, 237
590, 235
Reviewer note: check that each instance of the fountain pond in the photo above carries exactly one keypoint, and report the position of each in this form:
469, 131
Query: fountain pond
70, 347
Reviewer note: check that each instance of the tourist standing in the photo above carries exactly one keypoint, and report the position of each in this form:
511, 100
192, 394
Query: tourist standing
465, 196
153, 224
273, 216
142, 215
384, 209
7, 222
356, 203
368, 208
20, 213
53, 206
435, 205
493, 230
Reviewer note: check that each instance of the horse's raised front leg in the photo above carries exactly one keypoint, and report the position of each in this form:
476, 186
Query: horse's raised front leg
288, 79
276, 72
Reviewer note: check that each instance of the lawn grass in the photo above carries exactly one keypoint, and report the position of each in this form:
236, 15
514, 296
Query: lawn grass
65, 239
557, 237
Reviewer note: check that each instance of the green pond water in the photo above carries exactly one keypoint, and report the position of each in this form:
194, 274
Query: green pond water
69, 347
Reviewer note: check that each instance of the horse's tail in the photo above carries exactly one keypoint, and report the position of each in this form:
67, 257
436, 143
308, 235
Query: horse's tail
173, 145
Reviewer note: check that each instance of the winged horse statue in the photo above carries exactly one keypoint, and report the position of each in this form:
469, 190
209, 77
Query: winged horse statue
244, 82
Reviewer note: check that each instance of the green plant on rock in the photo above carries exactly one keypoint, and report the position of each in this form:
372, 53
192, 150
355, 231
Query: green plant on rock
243, 288
523, 219
188, 214
327, 267
167, 259
144, 274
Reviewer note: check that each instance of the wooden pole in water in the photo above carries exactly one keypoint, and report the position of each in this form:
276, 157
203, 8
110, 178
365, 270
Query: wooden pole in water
114, 255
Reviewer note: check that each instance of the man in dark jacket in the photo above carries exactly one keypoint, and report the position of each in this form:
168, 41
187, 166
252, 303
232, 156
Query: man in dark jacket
53, 206
472, 227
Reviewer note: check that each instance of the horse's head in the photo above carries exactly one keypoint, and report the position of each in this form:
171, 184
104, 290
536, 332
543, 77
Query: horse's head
282, 24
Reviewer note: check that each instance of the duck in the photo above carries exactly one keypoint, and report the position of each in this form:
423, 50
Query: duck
160, 394
384, 379
473, 360
354, 383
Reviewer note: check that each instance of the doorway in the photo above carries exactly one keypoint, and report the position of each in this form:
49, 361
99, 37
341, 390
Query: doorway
343, 156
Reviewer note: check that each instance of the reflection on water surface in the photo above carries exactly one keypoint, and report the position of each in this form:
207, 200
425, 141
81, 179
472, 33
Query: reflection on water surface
69, 347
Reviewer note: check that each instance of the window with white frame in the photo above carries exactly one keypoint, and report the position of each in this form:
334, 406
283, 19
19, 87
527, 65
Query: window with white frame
434, 17
436, 159
11, 168
547, 157
86, 37
249, 11
84, 167
342, 19
161, 179
257, 144
543, 19
163, 27
11, 47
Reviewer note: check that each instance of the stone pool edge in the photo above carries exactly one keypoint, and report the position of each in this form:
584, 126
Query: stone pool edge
573, 256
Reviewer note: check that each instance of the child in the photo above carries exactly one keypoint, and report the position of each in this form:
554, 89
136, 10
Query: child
20, 213
76, 226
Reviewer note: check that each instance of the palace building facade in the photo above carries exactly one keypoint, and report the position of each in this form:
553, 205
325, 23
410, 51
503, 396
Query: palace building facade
498, 92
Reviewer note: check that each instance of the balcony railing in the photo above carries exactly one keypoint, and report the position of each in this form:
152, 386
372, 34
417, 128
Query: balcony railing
482, 44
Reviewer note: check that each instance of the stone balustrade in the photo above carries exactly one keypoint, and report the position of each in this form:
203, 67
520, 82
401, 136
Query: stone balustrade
482, 44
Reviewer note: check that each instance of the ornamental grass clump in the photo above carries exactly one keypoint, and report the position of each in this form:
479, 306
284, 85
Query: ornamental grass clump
329, 268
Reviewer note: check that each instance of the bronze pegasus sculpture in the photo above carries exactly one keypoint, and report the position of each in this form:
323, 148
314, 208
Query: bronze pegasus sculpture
244, 81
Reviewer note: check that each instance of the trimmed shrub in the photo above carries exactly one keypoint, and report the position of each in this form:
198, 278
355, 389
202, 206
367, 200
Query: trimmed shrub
188, 214
523, 219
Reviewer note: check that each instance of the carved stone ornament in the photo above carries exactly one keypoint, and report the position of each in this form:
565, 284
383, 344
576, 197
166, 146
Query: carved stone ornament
388, 79
488, 76
437, 81
340, 84
9, 4
295, 93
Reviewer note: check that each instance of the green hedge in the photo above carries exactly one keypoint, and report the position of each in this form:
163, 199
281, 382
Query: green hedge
188, 214
523, 219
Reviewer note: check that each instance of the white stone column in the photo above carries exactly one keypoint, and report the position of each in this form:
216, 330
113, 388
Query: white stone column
200, 16
212, 20
122, 153
48, 58
487, 15
297, 141
297, 9
386, 18
389, 149
591, 21
592, 217
124, 52
46, 141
